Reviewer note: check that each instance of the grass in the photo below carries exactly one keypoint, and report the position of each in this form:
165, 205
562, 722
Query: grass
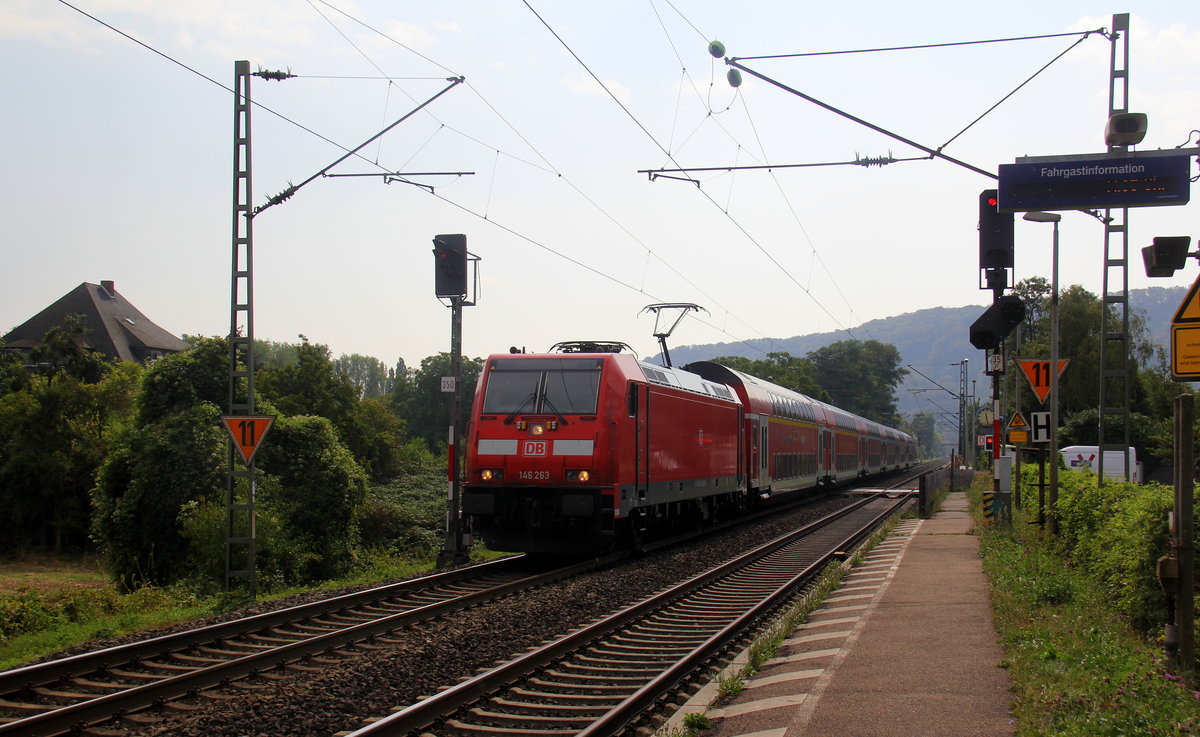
1077, 666
49, 605
51, 573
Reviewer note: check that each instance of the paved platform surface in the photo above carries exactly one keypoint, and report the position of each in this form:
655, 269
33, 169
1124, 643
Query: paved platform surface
905, 648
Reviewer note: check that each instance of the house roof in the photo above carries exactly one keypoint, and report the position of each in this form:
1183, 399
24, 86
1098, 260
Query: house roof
114, 326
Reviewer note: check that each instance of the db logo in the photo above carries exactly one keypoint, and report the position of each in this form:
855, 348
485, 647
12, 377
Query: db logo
534, 447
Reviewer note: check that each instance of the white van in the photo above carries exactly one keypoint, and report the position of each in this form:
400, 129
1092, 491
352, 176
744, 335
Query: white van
1087, 457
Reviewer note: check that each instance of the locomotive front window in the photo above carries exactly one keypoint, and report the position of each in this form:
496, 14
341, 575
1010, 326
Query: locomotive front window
564, 386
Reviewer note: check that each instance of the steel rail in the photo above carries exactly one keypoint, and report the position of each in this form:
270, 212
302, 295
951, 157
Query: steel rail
431, 710
54, 670
104, 707
646, 697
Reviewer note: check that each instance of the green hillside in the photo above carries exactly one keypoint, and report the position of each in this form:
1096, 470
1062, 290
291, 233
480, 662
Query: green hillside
929, 340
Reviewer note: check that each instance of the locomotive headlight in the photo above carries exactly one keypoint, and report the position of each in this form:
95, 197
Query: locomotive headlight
578, 475
537, 428
491, 474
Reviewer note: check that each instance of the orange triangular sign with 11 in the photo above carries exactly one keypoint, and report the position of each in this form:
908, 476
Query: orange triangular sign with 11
247, 432
1037, 370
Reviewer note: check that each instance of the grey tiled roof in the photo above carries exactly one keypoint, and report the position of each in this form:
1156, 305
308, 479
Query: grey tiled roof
114, 326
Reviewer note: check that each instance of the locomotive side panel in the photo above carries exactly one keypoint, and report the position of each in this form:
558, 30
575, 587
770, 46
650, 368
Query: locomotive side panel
693, 444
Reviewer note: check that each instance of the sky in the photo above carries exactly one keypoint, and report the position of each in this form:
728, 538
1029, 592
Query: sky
118, 160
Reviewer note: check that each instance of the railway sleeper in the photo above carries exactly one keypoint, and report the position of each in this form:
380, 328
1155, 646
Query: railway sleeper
541, 707
588, 688
615, 667
51, 693
135, 675
603, 659
615, 681
88, 683
641, 647
21, 706
199, 659
671, 632
664, 637
171, 668
500, 718
477, 730
629, 676
568, 697
623, 655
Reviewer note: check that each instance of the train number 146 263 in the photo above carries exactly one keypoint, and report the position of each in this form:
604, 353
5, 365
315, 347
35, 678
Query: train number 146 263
534, 475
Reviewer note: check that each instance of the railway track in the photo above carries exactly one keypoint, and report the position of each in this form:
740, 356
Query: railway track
603, 677
118, 684
67, 695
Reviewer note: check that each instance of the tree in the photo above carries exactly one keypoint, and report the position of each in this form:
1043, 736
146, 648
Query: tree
144, 485
425, 407
56, 424
62, 352
54, 434
923, 427
314, 385
861, 377
175, 453
369, 375
320, 487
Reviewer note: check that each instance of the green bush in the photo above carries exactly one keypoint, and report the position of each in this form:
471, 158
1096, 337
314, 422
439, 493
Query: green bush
152, 472
31, 611
1117, 532
317, 489
280, 560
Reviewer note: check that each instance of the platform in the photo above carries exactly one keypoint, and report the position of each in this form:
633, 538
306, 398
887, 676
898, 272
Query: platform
904, 648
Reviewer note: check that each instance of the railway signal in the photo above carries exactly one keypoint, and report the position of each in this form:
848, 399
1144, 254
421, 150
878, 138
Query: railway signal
450, 265
994, 325
995, 233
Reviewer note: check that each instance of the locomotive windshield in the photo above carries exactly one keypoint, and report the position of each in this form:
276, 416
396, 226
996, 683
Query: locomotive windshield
562, 386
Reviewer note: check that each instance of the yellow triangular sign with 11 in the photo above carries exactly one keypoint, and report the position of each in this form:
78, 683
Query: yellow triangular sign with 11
248, 432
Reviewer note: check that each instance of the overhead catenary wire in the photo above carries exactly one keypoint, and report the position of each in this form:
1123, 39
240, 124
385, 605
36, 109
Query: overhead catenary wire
388, 175
921, 46
1015, 90
657, 143
315, 133
558, 173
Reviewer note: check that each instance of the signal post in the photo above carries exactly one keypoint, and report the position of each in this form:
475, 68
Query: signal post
450, 259
990, 330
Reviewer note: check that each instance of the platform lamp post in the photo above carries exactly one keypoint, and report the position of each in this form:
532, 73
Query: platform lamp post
1052, 217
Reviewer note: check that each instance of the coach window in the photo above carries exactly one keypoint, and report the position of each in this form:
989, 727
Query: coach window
633, 399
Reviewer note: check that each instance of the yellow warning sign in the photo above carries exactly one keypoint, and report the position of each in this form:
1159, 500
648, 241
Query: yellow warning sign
1017, 422
1189, 308
1018, 436
1185, 352
1185, 337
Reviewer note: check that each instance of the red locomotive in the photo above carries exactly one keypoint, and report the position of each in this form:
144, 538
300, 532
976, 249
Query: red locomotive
578, 452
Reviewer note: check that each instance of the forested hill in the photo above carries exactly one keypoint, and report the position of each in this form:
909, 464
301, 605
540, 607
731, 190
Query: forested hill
930, 340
